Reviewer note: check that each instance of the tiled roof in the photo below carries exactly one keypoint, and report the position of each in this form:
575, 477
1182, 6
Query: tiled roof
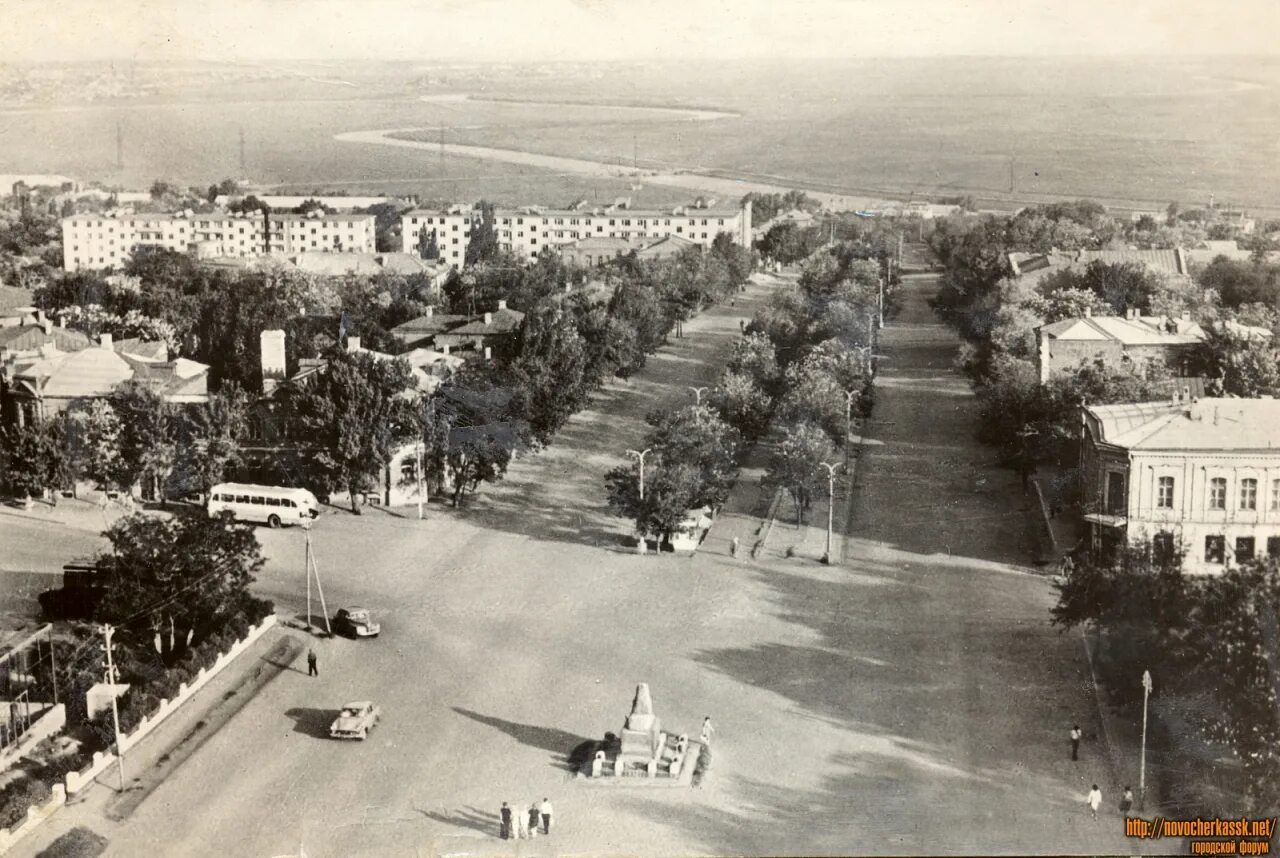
427, 325
85, 373
1205, 424
668, 246
1142, 330
501, 322
32, 337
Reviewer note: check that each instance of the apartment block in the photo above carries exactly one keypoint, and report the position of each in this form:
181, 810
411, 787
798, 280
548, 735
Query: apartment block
531, 230
108, 241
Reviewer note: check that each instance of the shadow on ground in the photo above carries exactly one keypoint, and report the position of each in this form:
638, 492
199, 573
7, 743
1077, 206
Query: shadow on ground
563, 744
312, 722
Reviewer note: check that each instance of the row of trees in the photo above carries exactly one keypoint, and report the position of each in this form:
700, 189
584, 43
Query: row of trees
805, 358
1210, 642
132, 436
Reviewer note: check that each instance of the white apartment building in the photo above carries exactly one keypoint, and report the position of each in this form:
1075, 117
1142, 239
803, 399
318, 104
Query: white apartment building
530, 230
107, 241
1199, 475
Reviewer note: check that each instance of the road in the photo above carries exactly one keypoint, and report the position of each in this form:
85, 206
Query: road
912, 699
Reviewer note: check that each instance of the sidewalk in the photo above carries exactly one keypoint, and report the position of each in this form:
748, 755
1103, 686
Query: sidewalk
102, 808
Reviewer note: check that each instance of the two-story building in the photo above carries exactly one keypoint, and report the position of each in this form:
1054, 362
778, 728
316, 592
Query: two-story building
1200, 476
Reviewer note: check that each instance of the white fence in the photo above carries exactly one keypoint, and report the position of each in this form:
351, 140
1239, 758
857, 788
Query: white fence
77, 781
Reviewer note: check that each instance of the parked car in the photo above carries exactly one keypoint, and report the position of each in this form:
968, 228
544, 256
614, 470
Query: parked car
355, 720
357, 622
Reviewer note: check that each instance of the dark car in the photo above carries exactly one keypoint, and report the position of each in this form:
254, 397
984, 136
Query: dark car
356, 622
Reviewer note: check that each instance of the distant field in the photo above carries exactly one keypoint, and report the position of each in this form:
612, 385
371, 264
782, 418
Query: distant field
1151, 132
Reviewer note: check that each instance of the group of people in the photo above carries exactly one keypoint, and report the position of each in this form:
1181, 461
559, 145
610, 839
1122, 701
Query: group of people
1094, 799
516, 824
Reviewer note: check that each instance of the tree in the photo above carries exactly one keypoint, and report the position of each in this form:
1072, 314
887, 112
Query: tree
104, 462
433, 425
161, 189
1237, 365
215, 429
742, 404
311, 204
428, 247
549, 370
148, 436
172, 582
483, 243
695, 435
33, 457
670, 491
754, 357
795, 463
475, 456
353, 416
814, 397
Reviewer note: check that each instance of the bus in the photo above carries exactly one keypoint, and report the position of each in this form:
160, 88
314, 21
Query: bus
269, 505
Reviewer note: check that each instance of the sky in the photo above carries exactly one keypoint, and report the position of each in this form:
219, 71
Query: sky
541, 30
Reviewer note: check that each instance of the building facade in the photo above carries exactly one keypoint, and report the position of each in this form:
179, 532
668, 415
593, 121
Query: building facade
529, 231
1199, 476
108, 241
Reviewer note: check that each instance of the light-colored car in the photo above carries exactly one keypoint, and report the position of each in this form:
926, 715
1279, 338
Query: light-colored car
356, 621
355, 720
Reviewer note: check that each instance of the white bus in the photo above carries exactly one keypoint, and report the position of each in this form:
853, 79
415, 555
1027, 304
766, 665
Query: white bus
270, 505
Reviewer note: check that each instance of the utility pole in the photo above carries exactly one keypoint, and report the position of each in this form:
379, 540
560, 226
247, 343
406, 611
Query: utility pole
107, 632
831, 504
640, 454
880, 305
312, 568
418, 471
849, 396
1142, 769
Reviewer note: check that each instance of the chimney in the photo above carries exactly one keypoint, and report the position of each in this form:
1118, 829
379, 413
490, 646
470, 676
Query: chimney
104, 340
353, 344
488, 353
502, 305
488, 318
431, 311
273, 365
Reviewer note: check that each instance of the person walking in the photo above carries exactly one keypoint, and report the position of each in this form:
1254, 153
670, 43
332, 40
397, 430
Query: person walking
545, 810
1095, 801
521, 825
707, 730
1126, 801
312, 670
1075, 742
733, 547
533, 820
504, 815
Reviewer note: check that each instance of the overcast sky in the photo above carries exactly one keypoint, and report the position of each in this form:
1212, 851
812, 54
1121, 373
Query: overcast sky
627, 29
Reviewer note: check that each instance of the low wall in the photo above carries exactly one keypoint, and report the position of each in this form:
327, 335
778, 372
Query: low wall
77, 781
35, 816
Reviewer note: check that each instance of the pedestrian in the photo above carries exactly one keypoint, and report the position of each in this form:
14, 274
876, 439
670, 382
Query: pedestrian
742, 325
533, 820
1068, 566
505, 825
733, 547
521, 825
545, 810
1075, 742
1095, 800
312, 670
1126, 801
707, 730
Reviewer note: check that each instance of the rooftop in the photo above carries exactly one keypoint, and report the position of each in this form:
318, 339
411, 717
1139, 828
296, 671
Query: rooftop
1128, 331
1204, 424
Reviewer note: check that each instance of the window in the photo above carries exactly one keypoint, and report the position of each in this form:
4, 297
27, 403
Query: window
1275, 495
290, 504
1244, 548
1215, 548
242, 498
1273, 546
1162, 546
256, 500
1248, 493
1218, 493
1115, 493
273, 501
1164, 493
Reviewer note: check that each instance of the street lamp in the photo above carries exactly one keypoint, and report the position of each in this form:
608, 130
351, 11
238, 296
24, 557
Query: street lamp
640, 454
849, 396
697, 394
831, 504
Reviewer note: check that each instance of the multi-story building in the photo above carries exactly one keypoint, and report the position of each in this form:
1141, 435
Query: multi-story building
529, 231
106, 241
1200, 476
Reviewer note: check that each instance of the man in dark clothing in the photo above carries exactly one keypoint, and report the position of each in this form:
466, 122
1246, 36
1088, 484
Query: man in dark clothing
506, 821
1075, 742
311, 663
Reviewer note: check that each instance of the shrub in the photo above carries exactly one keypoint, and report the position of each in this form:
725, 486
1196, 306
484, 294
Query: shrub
23, 793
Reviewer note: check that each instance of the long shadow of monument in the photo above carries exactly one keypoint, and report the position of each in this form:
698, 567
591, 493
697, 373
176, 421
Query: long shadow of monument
562, 743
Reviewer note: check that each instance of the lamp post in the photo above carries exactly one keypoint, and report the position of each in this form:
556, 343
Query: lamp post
1142, 768
849, 396
417, 451
697, 394
831, 504
640, 454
